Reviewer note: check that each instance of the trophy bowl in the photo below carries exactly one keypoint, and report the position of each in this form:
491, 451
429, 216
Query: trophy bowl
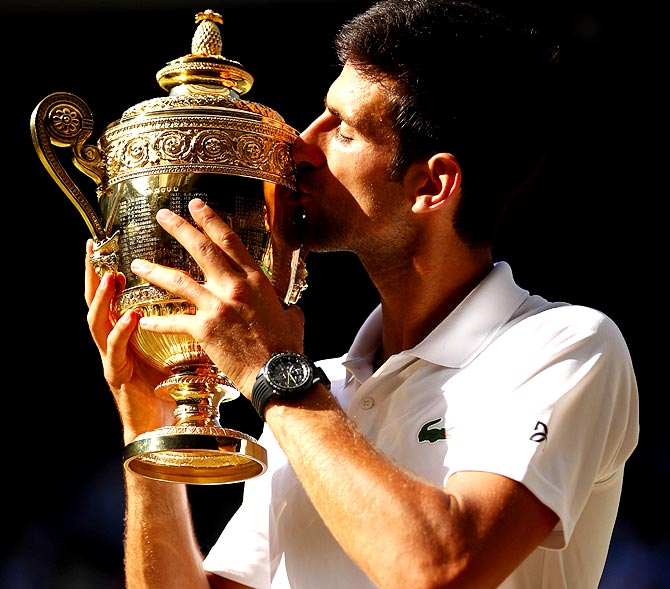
202, 140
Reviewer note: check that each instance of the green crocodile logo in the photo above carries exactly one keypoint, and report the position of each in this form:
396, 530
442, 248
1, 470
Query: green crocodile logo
430, 434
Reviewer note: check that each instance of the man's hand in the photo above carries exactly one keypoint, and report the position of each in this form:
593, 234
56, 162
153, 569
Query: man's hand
240, 321
131, 379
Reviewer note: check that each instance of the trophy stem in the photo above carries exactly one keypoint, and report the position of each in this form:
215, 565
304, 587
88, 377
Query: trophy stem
196, 412
196, 448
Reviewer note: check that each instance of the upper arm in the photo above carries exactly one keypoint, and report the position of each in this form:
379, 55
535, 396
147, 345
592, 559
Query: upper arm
501, 523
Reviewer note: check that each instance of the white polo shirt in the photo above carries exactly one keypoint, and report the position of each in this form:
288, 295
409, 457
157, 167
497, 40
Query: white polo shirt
543, 393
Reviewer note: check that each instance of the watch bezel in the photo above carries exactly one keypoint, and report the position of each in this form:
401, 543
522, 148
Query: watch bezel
288, 360
264, 390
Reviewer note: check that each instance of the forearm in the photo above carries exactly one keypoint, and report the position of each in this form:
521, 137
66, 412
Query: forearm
160, 545
392, 524
401, 530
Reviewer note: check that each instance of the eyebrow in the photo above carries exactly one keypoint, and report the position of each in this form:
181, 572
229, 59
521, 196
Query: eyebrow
330, 109
365, 125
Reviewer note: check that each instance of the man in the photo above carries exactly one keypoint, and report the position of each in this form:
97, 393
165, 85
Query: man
474, 435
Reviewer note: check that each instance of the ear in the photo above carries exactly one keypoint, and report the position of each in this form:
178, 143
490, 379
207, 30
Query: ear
440, 178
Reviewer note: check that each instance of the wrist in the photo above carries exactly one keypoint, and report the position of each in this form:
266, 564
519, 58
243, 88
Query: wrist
286, 376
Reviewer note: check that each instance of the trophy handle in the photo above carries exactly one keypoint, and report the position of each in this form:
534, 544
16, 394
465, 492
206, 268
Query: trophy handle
64, 120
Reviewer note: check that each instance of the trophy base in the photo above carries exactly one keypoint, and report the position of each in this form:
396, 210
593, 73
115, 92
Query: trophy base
202, 456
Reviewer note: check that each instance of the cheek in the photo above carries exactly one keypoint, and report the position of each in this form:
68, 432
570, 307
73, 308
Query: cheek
365, 170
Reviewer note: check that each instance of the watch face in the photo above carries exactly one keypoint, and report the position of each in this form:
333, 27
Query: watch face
289, 372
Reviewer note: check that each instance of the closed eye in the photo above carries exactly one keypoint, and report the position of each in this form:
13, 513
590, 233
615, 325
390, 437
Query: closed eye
341, 136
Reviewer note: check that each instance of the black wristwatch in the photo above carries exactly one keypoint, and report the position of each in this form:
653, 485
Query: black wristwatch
286, 375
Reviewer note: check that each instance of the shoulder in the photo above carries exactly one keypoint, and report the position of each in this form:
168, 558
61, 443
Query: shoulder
564, 346
564, 323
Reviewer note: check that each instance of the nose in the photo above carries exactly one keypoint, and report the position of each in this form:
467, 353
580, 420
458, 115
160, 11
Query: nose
306, 150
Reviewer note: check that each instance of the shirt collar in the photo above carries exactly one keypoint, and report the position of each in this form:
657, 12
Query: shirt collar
468, 329
459, 337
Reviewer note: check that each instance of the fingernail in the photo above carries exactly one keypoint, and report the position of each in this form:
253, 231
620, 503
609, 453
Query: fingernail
138, 265
106, 280
196, 204
164, 214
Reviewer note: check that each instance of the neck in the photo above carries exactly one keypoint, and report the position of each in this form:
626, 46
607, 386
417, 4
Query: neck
415, 302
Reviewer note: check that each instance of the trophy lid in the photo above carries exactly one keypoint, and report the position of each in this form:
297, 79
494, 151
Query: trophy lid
204, 77
205, 66
203, 125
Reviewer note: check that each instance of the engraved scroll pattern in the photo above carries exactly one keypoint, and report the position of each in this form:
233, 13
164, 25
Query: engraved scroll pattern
241, 148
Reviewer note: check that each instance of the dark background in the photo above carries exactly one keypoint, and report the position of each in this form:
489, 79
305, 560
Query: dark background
584, 234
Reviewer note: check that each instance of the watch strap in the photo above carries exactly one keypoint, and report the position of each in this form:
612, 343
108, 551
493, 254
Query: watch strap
261, 395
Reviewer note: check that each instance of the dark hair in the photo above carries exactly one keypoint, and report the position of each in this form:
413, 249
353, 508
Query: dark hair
464, 80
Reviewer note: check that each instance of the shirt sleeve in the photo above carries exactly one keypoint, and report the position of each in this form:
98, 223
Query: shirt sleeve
562, 421
242, 552
248, 550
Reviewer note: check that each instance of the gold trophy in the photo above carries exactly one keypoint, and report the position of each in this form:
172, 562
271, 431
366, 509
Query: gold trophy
201, 140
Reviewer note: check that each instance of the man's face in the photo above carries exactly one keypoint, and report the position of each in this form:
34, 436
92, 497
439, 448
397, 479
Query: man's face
344, 158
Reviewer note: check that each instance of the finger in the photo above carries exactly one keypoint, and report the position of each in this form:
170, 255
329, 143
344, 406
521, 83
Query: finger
207, 255
220, 233
177, 323
97, 317
91, 279
217, 249
297, 316
119, 338
178, 282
